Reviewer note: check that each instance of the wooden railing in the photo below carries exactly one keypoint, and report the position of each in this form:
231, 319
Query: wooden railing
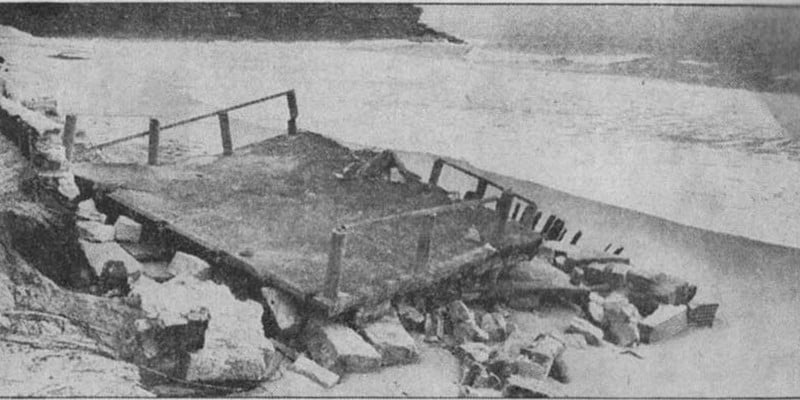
155, 129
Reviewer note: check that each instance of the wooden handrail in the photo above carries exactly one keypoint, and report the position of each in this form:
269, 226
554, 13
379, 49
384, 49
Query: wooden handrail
288, 93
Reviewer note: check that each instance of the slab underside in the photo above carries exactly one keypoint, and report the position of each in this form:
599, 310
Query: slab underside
277, 202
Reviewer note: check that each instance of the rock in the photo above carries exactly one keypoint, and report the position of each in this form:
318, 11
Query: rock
373, 312
472, 351
184, 265
473, 235
314, 371
411, 318
702, 314
660, 287
544, 350
226, 361
62, 182
495, 325
127, 230
94, 231
469, 331
459, 312
156, 270
525, 367
98, 254
595, 308
114, 277
340, 349
592, 334
665, 322
622, 320
577, 276
87, 212
575, 341
518, 386
282, 309
143, 252
560, 371
392, 341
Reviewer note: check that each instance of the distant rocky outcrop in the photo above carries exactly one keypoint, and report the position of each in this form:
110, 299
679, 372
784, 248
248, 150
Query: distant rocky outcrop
273, 21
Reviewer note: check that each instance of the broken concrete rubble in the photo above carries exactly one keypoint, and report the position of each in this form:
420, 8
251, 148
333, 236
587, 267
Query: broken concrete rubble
495, 325
88, 212
98, 254
94, 231
411, 318
283, 312
519, 386
576, 256
621, 321
592, 334
187, 265
339, 348
392, 341
665, 322
473, 352
127, 230
314, 371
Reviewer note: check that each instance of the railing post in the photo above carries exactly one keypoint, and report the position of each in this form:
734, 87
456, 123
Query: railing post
335, 255
424, 243
436, 171
480, 191
68, 136
225, 131
502, 208
291, 101
155, 131
528, 215
547, 225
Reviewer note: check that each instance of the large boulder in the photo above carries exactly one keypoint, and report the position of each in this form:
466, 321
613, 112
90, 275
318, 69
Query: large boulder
621, 321
339, 348
392, 341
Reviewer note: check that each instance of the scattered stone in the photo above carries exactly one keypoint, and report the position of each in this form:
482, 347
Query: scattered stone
577, 256
95, 231
114, 277
156, 270
595, 308
495, 325
525, 367
473, 235
373, 312
622, 320
575, 341
663, 288
314, 371
183, 264
665, 322
430, 329
594, 273
88, 212
545, 349
525, 302
127, 230
340, 349
702, 314
97, 254
224, 362
592, 334
540, 273
144, 252
392, 341
283, 310
518, 386
476, 352
616, 274
469, 331
459, 312
411, 318
246, 253
560, 371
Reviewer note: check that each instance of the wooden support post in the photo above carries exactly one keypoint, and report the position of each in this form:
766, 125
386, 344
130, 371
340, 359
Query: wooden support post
555, 230
608, 247
480, 191
547, 225
536, 219
291, 101
436, 172
155, 131
528, 215
68, 136
225, 131
424, 242
516, 211
502, 208
576, 238
332, 277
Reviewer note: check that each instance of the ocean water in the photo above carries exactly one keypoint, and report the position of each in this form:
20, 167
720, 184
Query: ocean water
708, 157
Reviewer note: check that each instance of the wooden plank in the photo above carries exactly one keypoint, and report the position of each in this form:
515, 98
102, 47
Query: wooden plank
480, 190
291, 101
436, 172
154, 132
502, 209
424, 243
333, 274
225, 131
68, 136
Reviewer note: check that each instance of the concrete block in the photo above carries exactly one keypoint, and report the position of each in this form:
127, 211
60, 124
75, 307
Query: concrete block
98, 254
127, 230
340, 349
94, 231
518, 386
187, 265
622, 321
665, 322
410, 317
395, 345
592, 334
88, 212
314, 371
473, 351
282, 307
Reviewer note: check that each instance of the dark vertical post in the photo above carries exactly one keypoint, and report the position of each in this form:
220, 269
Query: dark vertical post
436, 172
502, 208
527, 216
335, 256
225, 131
536, 219
516, 211
547, 225
563, 233
291, 101
155, 131
576, 238
68, 136
424, 242
480, 191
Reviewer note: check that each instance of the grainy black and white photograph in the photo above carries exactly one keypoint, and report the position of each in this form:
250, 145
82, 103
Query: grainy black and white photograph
399, 200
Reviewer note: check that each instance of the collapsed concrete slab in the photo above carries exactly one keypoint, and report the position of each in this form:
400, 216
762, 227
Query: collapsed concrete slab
99, 254
94, 231
88, 212
187, 265
392, 341
339, 348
